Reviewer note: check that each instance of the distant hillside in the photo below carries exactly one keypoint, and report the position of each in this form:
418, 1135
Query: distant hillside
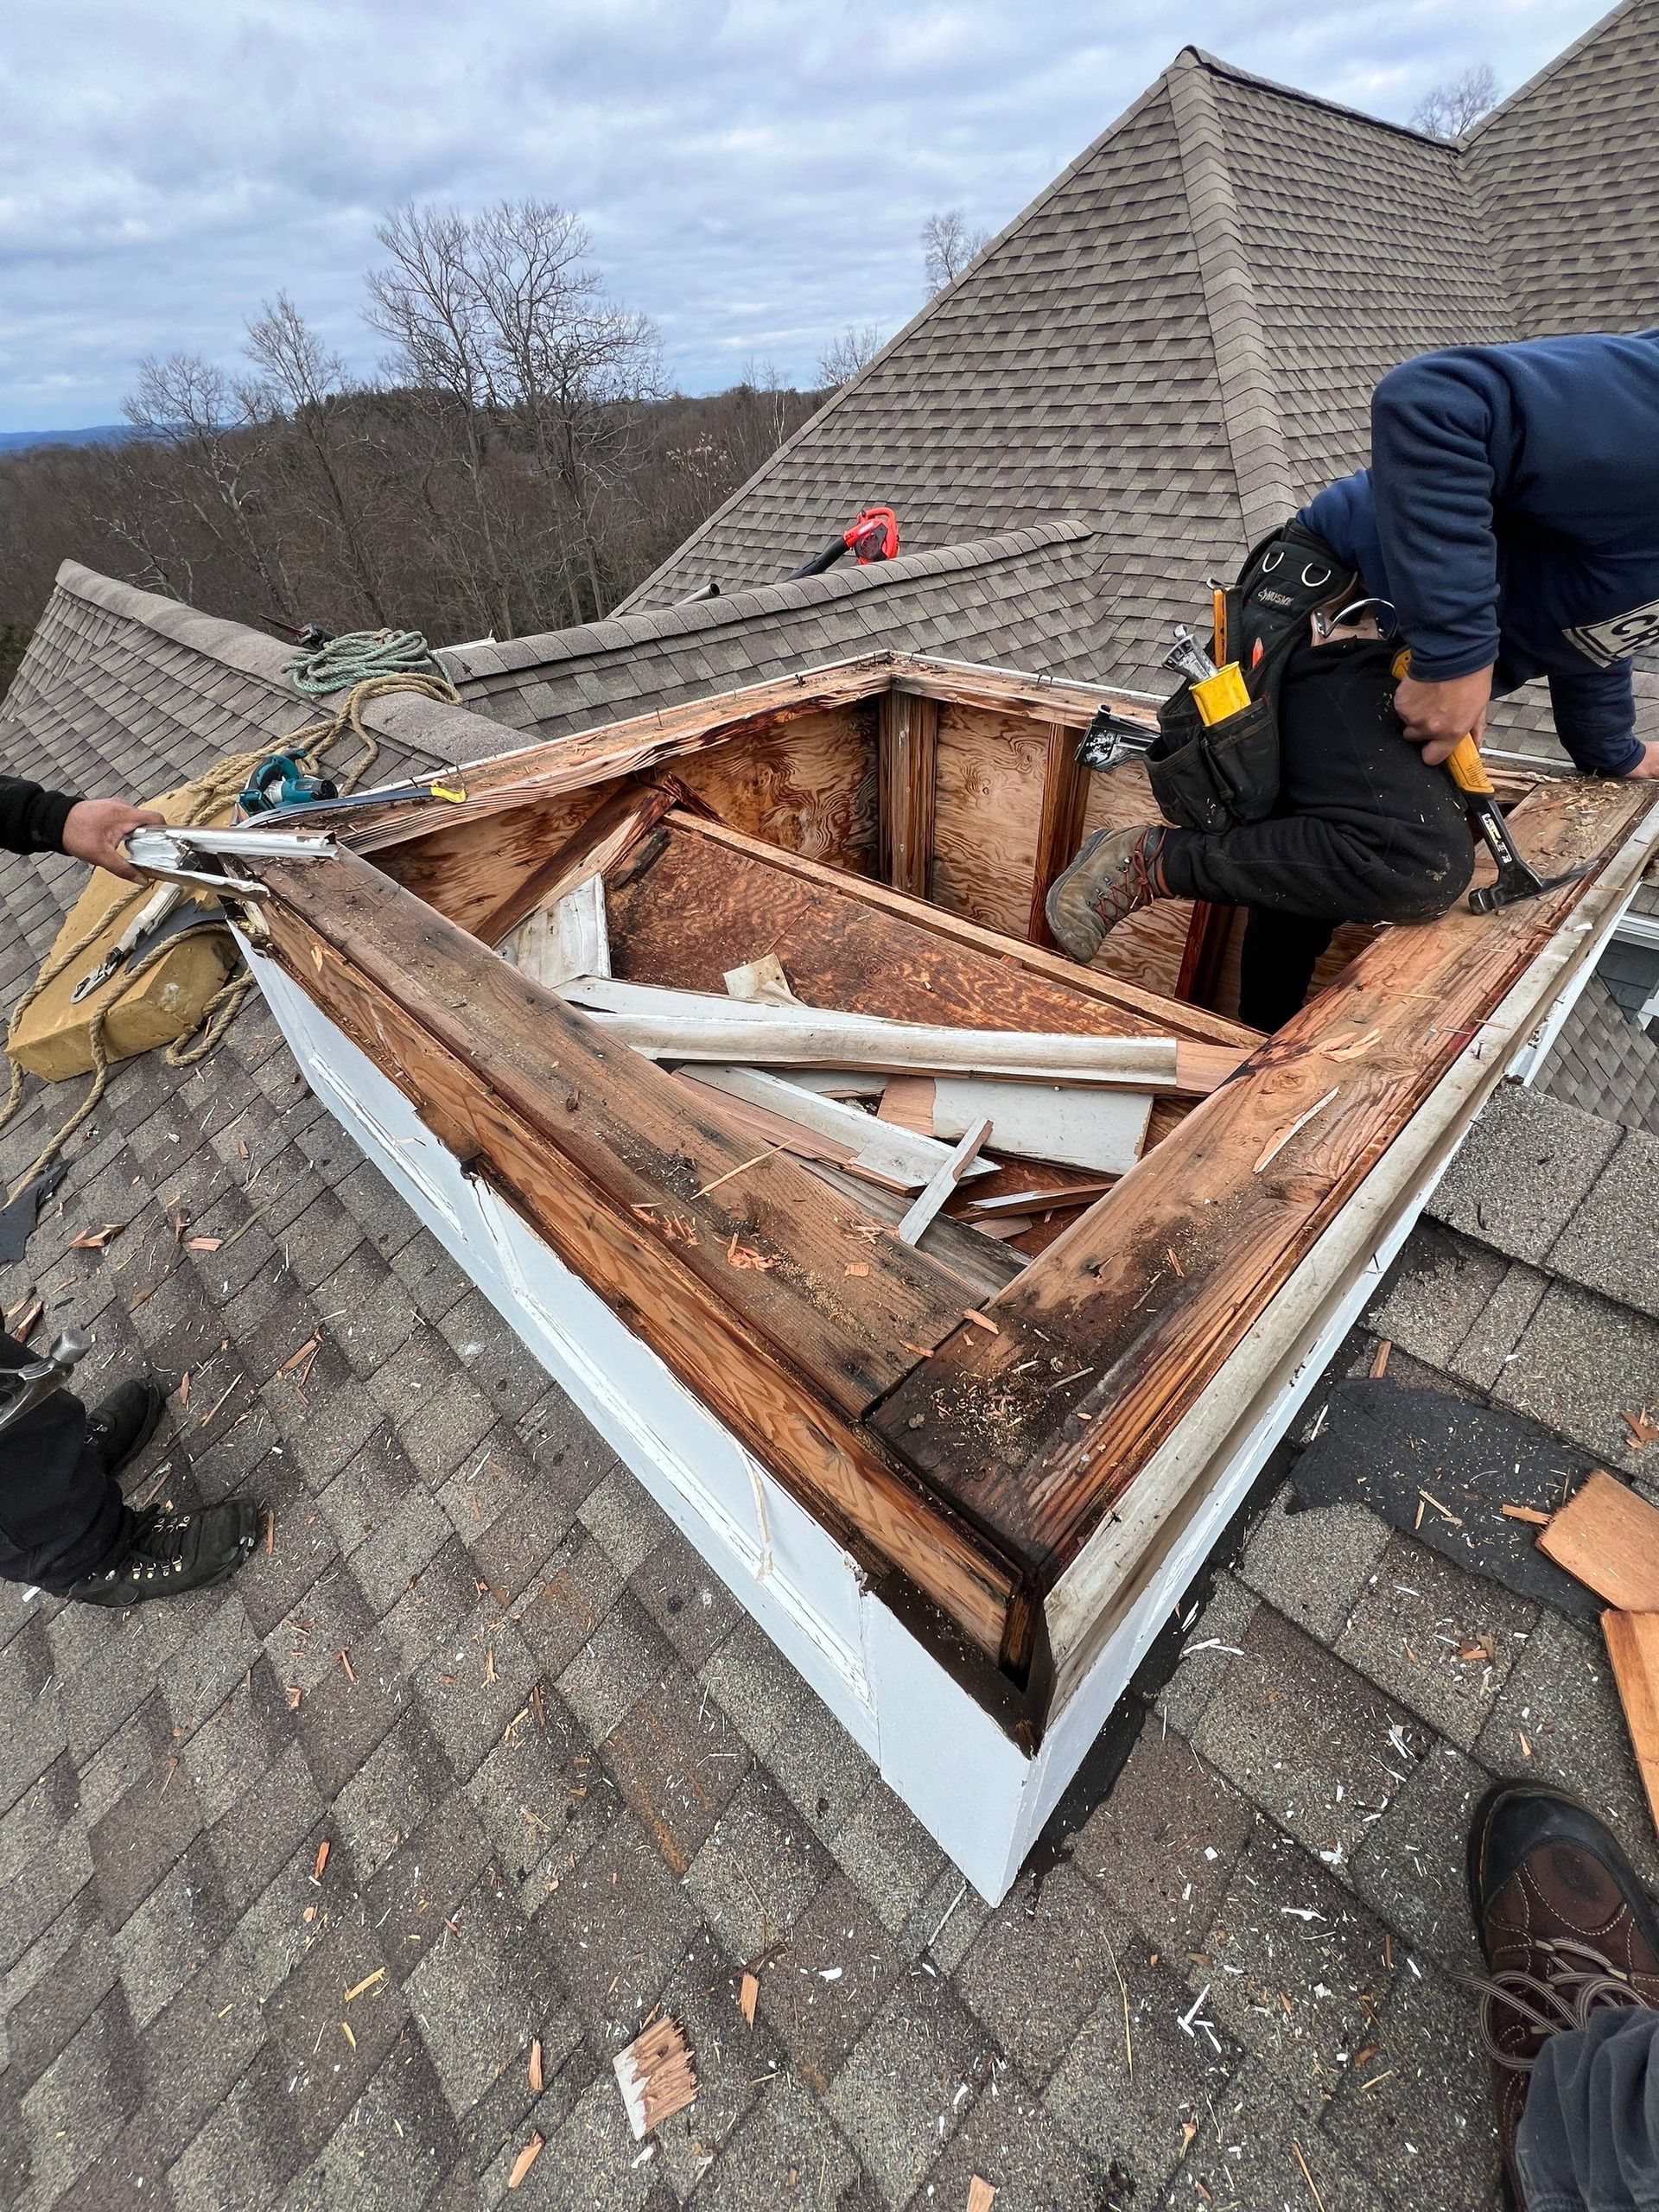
100, 434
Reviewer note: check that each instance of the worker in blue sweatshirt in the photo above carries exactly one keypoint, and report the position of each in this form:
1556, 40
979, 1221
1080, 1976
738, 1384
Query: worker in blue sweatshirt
1508, 528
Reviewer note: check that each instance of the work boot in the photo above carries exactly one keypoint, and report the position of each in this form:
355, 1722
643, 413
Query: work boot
1113, 877
120, 1426
170, 1552
1566, 1928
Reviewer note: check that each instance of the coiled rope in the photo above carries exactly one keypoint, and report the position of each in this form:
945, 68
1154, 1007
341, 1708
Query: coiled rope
374, 664
341, 662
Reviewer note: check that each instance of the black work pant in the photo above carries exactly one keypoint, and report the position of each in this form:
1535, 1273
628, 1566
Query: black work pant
61, 1515
1364, 829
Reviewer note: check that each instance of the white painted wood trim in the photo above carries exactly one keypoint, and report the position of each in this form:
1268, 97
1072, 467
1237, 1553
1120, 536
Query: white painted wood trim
697, 1026
898, 1154
1074, 1125
572, 937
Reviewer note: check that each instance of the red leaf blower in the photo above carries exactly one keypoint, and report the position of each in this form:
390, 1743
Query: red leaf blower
874, 536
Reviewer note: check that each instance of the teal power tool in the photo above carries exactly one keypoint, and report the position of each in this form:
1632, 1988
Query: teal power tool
283, 779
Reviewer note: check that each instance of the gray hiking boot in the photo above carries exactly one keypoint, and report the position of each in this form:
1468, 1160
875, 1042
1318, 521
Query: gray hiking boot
1113, 877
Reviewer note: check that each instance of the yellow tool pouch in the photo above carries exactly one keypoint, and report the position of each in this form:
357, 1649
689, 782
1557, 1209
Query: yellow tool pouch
163, 1000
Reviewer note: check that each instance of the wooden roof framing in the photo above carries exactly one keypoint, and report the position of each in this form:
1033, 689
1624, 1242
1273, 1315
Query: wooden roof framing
986, 1449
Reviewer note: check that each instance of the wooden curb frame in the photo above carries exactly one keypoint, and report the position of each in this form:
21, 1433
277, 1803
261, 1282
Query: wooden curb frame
1061, 1610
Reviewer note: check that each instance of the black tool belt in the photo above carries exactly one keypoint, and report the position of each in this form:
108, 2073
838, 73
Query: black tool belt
1214, 776
1218, 776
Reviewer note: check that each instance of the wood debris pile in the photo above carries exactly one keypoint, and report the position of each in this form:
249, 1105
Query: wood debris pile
1010, 1133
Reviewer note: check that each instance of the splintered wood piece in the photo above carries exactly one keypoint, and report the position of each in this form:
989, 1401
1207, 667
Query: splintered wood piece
1633, 1647
761, 981
614, 827
944, 1183
908, 1103
979, 2195
748, 1996
526, 2160
1033, 1194
657, 2075
863, 1141
1607, 1538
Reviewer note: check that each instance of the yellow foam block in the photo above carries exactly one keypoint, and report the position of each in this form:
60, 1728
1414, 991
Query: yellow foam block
165, 1001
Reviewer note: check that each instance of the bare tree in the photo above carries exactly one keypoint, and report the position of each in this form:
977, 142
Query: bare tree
189, 407
1447, 110
844, 356
427, 301
502, 312
948, 247
306, 386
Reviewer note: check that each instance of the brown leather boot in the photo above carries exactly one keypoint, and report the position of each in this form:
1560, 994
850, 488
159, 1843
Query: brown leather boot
1113, 877
1566, 1928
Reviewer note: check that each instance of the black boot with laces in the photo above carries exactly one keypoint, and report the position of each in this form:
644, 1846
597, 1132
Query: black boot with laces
170, 1552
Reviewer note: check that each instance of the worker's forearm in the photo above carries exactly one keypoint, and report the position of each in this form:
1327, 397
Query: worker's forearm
32, 818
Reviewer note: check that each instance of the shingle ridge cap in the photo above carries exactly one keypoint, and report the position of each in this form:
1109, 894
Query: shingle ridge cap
250, 652
1216, 67
735, 610
422, 725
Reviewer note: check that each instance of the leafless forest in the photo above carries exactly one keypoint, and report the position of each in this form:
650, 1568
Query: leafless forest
517, 465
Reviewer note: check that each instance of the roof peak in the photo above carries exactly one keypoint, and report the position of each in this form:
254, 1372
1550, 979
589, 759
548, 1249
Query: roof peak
1218, 68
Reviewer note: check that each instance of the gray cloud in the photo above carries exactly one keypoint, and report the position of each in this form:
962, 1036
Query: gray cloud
754, 173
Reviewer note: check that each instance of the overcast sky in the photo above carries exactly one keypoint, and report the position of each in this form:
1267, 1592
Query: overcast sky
754, 173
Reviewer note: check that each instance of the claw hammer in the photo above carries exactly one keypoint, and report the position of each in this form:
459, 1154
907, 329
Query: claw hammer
1516, 878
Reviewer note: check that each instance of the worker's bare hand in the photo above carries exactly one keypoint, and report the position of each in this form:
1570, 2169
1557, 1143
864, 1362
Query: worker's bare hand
94, 827
1646, 770
1437, 714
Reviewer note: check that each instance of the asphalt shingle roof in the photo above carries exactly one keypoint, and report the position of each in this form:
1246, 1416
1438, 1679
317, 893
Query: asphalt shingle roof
1567, 173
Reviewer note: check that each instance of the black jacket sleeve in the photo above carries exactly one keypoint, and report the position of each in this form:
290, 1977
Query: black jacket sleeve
32, 817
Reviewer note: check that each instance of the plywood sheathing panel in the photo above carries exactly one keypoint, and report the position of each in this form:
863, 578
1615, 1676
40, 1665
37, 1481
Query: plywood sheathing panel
695, 904
809, 789
986, 813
